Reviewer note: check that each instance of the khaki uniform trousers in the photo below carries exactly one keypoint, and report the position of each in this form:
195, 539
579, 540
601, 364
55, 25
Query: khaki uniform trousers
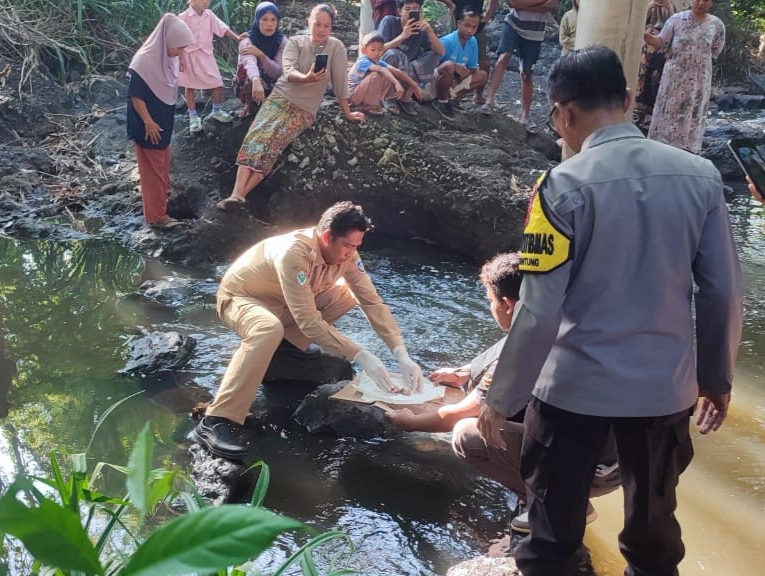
261, 331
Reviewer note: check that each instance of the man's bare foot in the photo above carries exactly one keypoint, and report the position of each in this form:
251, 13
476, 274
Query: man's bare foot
479, 99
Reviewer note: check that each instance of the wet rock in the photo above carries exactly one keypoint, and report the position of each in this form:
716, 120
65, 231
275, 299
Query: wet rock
485, 566
321, 415
715, 145
217, 479
751, 102
317, 366
176, 292
158, 352
495, 564
725, 101
757, 83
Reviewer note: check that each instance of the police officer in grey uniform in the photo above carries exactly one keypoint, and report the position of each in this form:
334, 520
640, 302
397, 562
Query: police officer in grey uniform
615, 240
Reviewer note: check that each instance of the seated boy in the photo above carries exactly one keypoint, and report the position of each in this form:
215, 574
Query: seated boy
371, 80
458, 72
411, 45
502, 280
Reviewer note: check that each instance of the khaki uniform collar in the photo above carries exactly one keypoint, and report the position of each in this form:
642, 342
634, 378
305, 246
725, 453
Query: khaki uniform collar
318, 257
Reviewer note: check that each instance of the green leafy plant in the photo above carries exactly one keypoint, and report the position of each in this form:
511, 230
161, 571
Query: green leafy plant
54, 519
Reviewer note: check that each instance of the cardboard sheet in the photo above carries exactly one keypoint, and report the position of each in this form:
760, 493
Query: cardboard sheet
351, 393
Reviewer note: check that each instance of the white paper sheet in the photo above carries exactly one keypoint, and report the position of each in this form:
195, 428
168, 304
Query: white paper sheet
371, 393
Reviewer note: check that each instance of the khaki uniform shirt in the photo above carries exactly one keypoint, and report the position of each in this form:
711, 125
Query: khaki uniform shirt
286, 273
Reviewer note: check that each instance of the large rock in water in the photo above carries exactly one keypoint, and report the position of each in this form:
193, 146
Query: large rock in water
318, 367
158, 352
319, 414
715, 145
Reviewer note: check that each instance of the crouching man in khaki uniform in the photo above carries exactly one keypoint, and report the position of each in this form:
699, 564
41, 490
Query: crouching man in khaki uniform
294, 287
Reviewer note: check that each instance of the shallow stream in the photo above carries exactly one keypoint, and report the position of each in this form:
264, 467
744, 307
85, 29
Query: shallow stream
69, 310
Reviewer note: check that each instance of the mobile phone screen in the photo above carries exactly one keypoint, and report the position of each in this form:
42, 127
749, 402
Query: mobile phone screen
750, 160
414, 14
320, 63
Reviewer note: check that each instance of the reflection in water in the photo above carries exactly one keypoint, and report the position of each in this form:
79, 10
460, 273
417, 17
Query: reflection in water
7, 370
410, 508
722, 495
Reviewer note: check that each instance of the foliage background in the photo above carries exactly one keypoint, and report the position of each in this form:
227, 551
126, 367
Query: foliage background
76, 37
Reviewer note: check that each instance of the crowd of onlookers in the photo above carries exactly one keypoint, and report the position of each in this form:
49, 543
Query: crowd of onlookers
282, 81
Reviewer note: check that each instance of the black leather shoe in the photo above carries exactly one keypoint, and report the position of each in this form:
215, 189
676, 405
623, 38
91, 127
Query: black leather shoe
222, 437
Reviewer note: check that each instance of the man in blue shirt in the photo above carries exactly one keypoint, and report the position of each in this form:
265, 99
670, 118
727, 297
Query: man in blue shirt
458, 72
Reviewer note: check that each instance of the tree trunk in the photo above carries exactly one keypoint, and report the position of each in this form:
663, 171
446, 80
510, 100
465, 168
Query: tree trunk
618, 24
366, 23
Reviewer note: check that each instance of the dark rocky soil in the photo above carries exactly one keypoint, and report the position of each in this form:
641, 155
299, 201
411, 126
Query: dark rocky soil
67, 169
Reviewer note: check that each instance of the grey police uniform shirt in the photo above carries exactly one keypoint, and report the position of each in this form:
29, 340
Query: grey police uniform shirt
615, 238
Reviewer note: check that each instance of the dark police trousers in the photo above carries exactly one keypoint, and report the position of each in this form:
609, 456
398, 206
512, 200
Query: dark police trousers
558, 460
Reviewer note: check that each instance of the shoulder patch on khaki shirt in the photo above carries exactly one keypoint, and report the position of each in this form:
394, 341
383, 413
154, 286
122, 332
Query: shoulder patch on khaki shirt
545, 247
301, 277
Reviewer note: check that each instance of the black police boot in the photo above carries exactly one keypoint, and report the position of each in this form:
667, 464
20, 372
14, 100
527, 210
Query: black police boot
222, 437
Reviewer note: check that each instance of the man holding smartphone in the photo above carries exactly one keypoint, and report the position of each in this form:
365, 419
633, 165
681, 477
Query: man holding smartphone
410, 45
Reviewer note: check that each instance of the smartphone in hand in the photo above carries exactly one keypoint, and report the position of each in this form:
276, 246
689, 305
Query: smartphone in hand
414, 15
320, 62
751, 161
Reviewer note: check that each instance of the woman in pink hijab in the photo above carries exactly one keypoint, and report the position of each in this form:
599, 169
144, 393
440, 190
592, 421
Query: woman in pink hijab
152, 89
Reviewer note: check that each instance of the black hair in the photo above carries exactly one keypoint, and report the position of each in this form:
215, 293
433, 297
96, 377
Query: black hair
327, 9
592, 76
400, 3
373, 36
467, 12
342, 218
501, 275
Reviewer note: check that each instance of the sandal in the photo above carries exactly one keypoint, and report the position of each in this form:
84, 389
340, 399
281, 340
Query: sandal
230, 203
372, 110
166, 224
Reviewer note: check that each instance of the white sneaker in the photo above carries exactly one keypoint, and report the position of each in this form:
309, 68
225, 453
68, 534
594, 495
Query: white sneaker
222, 116
195, 124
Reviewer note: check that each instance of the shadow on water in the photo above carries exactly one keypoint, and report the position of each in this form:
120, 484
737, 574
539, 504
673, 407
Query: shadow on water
67, 312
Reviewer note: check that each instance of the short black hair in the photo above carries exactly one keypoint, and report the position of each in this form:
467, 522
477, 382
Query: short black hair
467, 12
502, 276
342, 218
400, 3
592, 76
373, 36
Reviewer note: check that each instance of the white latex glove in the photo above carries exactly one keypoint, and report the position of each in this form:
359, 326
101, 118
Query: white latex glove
375, 369
410, 370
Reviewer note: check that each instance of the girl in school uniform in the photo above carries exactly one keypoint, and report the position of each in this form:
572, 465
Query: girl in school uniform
201, 72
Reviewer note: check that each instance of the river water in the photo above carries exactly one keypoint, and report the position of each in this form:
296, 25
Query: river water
69, 310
